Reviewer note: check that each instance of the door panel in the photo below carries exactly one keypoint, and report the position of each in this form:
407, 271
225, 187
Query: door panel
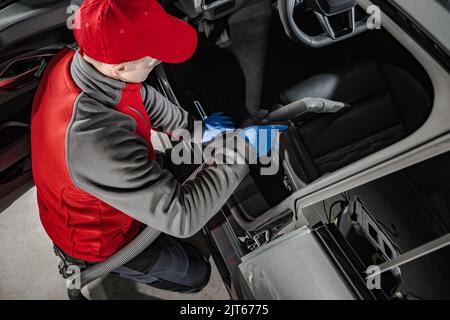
31, 32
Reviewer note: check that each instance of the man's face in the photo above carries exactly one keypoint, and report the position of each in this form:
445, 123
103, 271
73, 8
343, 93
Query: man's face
135, 71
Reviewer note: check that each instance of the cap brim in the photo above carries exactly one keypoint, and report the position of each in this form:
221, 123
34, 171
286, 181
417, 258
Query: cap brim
181, 44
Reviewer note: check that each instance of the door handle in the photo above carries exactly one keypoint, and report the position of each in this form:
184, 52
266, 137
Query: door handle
22, 70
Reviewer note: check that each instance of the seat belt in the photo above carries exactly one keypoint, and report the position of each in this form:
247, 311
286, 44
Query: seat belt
411, 256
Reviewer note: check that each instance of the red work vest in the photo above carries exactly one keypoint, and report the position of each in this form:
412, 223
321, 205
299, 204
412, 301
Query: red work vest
77, 222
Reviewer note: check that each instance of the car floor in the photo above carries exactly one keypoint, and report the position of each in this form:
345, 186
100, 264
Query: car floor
28, 266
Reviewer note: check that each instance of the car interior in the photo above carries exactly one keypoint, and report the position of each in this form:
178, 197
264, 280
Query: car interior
402, 211
255, 57
389, 94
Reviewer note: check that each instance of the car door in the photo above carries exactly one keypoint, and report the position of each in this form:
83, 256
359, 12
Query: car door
31, 32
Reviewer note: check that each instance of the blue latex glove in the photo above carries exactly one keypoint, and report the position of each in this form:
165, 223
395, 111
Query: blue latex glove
216, 124
262, 137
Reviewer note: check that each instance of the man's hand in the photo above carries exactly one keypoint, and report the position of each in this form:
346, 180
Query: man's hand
216, 124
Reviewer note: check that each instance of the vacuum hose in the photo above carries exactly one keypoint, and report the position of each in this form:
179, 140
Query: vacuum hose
121, 257
127, 253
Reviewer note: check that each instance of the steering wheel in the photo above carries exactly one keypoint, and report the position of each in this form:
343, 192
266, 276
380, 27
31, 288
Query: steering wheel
324, 11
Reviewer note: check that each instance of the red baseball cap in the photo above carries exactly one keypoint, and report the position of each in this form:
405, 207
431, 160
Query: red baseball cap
115, 31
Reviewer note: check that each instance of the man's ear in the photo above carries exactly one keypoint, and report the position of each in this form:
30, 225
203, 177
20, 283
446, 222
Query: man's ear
119, 69
154, 62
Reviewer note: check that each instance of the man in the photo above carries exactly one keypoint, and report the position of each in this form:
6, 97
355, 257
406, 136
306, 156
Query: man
93, 162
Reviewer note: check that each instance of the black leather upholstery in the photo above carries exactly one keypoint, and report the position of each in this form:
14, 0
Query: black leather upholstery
387, 104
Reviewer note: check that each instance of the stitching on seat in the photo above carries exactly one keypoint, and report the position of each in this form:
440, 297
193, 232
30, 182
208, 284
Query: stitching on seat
354, 152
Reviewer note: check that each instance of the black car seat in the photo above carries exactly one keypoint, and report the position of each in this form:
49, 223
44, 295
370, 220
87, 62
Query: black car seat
387, 104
